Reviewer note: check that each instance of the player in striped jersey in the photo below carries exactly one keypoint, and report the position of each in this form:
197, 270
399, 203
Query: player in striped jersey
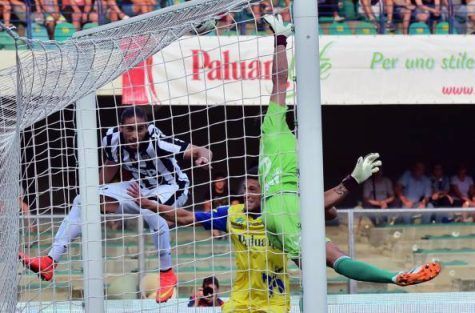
141, 149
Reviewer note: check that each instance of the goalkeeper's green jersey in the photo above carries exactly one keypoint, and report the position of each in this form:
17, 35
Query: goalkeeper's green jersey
278, 156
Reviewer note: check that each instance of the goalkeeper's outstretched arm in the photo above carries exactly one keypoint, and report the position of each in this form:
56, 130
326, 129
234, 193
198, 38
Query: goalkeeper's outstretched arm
365, 167
279, 63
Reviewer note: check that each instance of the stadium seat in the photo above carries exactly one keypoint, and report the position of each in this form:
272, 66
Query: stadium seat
365, 28
39, 32
320, 30
348, 10
339, 29
6, 42
89, 25
64, 31
325, 19
443, 28
419, 29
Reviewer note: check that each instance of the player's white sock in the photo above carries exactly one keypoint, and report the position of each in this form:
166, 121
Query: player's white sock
161, 237
69, 230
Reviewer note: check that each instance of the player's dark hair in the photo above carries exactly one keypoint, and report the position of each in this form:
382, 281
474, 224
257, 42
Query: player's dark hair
217, 175
252, 173
133, 111
210, 281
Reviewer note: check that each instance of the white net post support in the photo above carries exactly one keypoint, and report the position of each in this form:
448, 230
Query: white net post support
90, 213
310, 149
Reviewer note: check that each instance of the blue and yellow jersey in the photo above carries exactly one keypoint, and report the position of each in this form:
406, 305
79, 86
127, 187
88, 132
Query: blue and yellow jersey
261, 276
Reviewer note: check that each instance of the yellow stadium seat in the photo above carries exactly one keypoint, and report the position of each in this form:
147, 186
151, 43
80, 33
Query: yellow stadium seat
64, 31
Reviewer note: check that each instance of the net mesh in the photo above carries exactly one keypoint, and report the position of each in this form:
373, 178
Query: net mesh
9, 173
52, 76
209, 90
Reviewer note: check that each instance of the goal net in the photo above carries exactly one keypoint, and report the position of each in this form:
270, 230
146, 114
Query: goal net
198, 84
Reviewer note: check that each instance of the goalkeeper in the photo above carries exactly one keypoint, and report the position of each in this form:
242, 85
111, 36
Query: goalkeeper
278, 174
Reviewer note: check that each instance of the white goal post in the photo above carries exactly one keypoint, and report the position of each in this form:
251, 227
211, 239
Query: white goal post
310, 149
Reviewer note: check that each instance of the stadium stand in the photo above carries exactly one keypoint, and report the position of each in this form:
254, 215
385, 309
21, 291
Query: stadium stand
397, 246
365, 28
336, 17
6, 42
339, 29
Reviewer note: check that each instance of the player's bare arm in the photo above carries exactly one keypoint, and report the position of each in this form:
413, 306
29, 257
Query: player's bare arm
107, 172
201, 155
177, 216
279, 63
364, 168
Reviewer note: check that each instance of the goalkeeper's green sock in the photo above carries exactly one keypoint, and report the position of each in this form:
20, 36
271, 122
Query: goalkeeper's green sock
362, 271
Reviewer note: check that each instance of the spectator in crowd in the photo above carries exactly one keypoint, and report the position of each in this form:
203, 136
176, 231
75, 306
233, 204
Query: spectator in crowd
226, 23
401, 9
258, 12
48, 13
461, 184
112, 11
458, 12
217, 196
207, 295
378, 193
440, 197
470, 203
143, 6
414, 191
427, 11
82, 9
19, 9
368, 8
6, 12
329, 8
282, 7
440, 188
470, 12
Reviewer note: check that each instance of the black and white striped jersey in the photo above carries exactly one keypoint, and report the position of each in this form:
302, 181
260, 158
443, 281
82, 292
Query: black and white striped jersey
154, 163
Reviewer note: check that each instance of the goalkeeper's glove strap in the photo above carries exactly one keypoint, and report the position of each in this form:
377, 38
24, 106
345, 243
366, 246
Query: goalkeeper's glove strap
280, 40
350, 183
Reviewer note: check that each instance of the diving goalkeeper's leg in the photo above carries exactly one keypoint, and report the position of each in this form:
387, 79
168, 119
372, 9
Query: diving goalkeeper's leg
361, 271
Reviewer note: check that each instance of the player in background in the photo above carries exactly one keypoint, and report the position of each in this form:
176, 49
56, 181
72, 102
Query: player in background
278, 174
261, 282
139, 147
